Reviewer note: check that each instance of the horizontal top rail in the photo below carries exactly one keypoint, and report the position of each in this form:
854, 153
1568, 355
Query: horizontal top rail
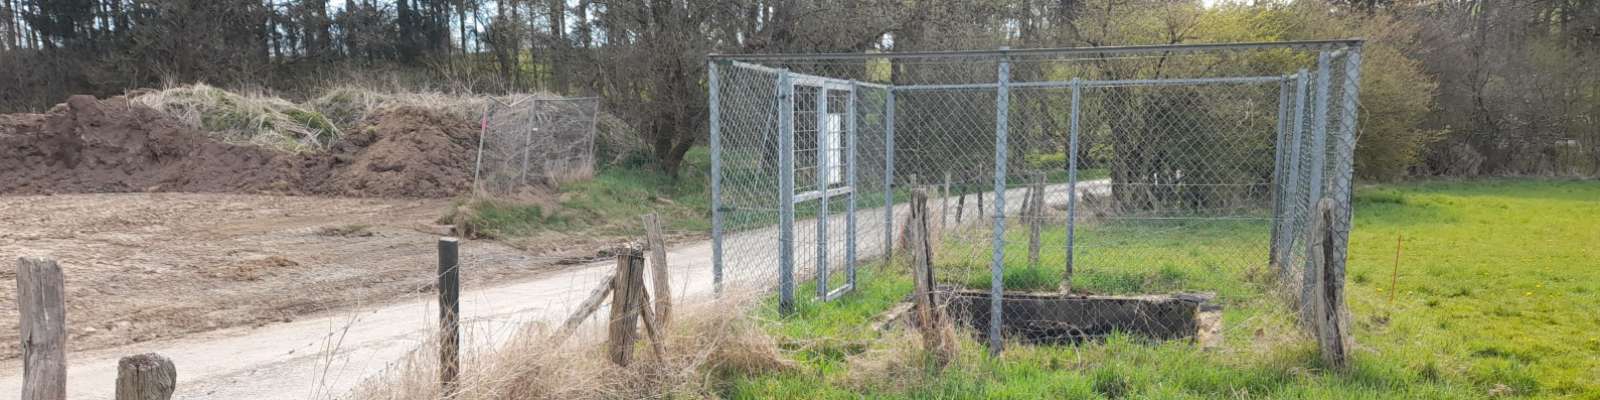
1063, 51
1101, 83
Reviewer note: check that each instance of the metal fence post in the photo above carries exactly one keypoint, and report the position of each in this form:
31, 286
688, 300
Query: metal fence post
1072, 182
1274, 252
1295, 199
888, 176
785, 193
997, 268
1350, 112
1319, 152
850, 176
714, 84
824, 175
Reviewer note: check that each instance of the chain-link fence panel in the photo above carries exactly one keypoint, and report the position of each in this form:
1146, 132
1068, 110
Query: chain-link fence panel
532, 143
1100, 176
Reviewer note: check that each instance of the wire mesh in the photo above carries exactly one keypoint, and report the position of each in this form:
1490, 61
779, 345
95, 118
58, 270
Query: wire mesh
535, 142
1067, 172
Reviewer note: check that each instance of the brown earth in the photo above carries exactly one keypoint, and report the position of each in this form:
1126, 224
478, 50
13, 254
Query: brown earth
147, 266
112, 145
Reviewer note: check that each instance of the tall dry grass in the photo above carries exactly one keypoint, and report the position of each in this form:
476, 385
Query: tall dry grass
705, 342
243, 117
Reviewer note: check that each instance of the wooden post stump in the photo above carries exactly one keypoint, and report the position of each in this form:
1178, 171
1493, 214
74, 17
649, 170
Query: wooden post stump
41, 303
148, 376
938, 336
1325, 304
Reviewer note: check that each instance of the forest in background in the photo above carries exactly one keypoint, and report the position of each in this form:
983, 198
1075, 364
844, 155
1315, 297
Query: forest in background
1450, 87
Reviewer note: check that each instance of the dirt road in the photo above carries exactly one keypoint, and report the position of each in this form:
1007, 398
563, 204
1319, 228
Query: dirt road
327, 355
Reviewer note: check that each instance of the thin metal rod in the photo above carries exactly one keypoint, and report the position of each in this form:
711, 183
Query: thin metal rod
1090, 51
713, 81
1002, 101
785, 194
888, 176
1237, 80
1072, 183
824, 174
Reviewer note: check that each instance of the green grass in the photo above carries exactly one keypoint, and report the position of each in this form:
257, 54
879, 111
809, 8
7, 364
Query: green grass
608, 204
1497, 288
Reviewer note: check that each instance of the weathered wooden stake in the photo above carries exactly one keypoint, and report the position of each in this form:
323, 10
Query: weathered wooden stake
658, 269
148, 376
1394, 277
625, 303
938, 336
961, 206
1035, 213
40, 289
1326, 305
944, 203
652, 326
449, 315
585, 309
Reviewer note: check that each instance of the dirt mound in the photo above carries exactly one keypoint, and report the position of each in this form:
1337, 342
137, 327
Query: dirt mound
407, 151
111, 145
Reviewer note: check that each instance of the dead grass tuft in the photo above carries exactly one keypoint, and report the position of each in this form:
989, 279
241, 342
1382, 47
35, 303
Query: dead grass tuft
704, 342
245, 118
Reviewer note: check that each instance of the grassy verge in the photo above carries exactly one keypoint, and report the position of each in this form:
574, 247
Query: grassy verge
608, 204
1496, 289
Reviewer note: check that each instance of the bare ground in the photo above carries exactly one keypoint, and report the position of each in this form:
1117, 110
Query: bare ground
147, 266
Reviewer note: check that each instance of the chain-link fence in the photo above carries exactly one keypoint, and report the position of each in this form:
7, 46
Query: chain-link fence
535, 142
1112, 170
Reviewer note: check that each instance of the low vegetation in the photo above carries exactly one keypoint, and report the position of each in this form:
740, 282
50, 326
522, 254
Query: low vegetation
244, 117
1476, 316
608, 204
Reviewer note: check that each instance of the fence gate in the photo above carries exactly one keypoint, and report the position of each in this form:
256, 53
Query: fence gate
820, 149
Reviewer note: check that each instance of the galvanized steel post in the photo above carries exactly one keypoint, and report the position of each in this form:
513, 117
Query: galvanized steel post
997, 268
785, 193
824, 176
1072, 181
1274, 252
714, 85
888, 175
850, 181
1319, 153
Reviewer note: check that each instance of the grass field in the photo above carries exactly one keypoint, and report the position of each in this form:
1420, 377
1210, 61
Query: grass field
1495, 297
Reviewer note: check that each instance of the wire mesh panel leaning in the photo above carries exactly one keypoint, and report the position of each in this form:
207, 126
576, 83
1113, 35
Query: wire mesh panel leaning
1077, 190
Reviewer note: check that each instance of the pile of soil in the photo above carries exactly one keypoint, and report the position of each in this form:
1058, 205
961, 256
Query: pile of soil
112, 145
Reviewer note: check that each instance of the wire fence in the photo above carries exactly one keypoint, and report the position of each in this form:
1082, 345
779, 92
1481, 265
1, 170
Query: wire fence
1109, 171
535, 142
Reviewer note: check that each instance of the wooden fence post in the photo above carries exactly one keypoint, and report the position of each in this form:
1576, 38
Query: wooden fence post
1035, 214
146, 376
658, 270
40, 291
449, 315
938, 336
625, 302
944, 203
1326, 306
